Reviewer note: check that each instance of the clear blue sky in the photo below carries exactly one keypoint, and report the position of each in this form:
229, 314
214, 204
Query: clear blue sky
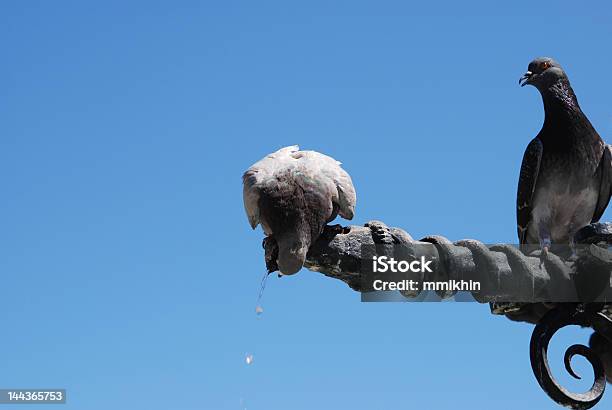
129, 272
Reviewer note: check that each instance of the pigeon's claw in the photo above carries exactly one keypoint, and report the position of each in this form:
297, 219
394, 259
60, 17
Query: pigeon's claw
330, 231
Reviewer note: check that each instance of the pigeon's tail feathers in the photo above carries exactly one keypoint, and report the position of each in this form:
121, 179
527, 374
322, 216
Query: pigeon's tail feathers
605, 186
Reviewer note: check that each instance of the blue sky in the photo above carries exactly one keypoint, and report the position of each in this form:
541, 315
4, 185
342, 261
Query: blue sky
129, 271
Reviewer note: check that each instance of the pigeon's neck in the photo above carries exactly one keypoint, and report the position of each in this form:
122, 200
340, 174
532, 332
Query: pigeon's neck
560, 104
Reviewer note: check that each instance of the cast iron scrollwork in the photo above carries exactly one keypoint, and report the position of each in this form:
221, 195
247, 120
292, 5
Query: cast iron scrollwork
586, 315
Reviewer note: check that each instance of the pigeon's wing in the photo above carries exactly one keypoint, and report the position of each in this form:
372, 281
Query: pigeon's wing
347, 198
530, 169
605, 187
342, 193
250, 196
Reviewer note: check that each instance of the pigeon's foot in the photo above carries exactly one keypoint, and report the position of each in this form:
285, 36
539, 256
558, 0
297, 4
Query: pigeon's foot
330, 231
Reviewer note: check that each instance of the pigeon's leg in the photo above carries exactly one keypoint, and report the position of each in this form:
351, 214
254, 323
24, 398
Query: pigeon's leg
545, 241
572, 243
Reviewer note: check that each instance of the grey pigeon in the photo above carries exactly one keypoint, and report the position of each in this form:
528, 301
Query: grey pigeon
293, 194
566, 175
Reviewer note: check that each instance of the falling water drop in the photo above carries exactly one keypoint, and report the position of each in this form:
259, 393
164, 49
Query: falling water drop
258, 311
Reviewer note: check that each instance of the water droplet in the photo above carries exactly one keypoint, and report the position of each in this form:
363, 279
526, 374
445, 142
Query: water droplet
258, 310
249, 359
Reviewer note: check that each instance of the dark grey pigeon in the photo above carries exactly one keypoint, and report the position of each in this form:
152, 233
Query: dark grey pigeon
566, 175
294, 194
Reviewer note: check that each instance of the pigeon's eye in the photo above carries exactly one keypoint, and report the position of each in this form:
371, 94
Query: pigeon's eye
545, 65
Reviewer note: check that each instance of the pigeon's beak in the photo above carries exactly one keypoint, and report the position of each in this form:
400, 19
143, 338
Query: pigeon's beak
525, 78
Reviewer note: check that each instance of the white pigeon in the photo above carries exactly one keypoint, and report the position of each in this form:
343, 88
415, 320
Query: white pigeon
293, 194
